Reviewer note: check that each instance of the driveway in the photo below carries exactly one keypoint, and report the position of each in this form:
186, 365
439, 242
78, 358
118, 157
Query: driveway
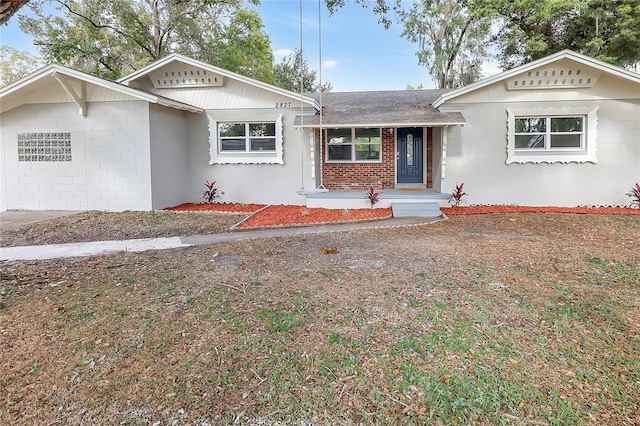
15, 218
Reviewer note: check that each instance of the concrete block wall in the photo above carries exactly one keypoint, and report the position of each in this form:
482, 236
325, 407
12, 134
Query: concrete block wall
110, 167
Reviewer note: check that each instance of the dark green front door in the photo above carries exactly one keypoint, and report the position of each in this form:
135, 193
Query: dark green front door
410, 162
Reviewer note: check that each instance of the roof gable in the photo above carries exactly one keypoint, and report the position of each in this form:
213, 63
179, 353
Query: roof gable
561, 70
175, 71
73, 83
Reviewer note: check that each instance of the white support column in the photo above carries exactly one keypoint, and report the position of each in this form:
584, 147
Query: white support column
312, 153
445, 130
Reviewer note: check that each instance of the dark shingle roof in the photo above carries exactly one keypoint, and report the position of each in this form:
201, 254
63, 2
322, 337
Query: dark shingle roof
380, 109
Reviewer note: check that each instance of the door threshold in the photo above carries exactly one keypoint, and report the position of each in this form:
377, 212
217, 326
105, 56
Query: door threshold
411, 186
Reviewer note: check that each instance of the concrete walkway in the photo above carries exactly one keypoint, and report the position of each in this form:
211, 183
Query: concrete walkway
54, 251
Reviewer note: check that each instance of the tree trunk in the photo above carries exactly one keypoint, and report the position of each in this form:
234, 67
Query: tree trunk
8, 8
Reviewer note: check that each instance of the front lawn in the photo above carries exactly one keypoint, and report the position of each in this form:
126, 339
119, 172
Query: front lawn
511, 318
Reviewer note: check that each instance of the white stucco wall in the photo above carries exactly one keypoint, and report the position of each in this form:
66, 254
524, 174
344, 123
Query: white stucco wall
169, 158
240, 101
251, 183
476, 155
110, 169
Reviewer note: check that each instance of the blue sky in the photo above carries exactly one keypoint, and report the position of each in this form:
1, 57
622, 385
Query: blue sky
357, 52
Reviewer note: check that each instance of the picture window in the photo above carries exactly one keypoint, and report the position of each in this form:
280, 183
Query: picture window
247, 137
354, 144
566, 135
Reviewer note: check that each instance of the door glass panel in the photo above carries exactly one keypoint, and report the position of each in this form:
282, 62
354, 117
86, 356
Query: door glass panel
409, 149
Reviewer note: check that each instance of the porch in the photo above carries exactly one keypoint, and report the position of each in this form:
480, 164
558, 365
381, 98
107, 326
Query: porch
405, 202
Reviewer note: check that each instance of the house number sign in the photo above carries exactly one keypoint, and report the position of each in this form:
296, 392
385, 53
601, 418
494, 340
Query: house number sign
283, 104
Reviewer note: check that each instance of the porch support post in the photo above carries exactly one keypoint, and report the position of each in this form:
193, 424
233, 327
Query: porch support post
79, 99
312, 153
445, 130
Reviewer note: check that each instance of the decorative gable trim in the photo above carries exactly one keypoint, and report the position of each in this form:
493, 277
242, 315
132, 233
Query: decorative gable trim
184, 75
578, 58
182, 61
554, 77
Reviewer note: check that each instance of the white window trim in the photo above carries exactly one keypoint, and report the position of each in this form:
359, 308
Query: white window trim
570, 155
216, 156
353, 144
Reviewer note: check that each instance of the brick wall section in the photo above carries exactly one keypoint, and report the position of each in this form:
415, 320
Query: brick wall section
358, 176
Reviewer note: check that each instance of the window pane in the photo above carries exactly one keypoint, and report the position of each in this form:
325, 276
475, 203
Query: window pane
525, 142
368, 135
233, 144
367, 151
565, 141
567, 124
339, 152
336, 136
531, 125
262, 129
263, 144
231, 129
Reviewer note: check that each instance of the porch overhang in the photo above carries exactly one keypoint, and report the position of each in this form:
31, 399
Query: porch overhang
390, 109
313, 121
307, 125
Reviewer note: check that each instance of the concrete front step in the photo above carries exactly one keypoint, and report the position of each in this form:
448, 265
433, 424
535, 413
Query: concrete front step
418, 209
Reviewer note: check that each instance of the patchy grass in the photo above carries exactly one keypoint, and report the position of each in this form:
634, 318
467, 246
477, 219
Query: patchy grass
493, 319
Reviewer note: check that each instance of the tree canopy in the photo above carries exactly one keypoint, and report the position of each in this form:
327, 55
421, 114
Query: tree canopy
453, 36
288, 73
451, 39
608, 30
15, 64
112, 38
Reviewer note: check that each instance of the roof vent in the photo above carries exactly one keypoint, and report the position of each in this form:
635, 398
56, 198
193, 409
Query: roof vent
182, 75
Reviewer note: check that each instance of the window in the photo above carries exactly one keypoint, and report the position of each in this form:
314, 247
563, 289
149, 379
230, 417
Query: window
361, 144
44, 147
247, 137
550, 135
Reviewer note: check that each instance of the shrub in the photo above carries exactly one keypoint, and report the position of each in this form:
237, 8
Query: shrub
373, 196
634, 193
457, 194
212, 193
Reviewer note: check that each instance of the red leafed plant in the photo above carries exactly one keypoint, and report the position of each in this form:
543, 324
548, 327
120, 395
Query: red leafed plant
457, 194
373, 196
634, 193
212, 193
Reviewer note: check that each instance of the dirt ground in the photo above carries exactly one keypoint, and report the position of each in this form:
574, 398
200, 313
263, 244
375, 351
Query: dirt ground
522, 318
104, 226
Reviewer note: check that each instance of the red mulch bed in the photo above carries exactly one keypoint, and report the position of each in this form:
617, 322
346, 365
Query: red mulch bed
218, 207
533, 209
281, 215
264, 216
